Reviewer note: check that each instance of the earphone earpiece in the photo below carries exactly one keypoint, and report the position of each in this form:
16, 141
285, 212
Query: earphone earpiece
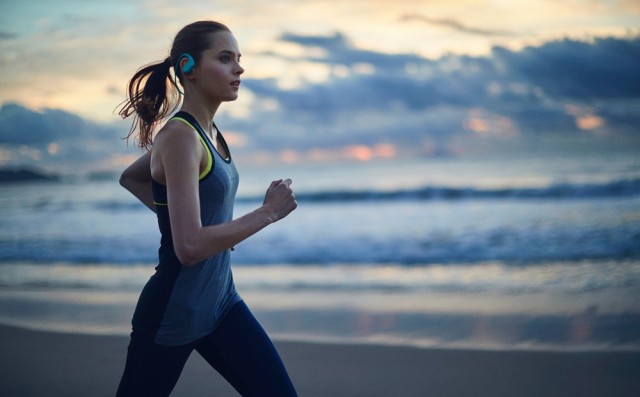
186, 69
191, 63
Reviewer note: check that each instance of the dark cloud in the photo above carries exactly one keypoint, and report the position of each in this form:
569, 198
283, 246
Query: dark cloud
23, 126
457, 25
602, 69
7, 35
530, 87
60, 139
339, 51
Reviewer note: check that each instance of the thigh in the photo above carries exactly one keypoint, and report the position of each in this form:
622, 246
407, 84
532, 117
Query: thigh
152, 370
240, 350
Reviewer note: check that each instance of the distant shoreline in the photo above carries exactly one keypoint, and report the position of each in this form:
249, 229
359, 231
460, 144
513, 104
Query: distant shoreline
11, 175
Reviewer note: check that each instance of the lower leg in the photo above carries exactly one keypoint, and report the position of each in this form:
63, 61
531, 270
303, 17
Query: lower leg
151, 369
240, 350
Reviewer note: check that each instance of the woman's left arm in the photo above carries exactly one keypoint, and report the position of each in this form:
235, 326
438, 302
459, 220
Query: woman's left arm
137, 179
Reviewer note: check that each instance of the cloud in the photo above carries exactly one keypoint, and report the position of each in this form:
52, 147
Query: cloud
457, 25
603, 69
56, 140
376, 104
528, 89
7, 35
338, 50
600, 75
22, 126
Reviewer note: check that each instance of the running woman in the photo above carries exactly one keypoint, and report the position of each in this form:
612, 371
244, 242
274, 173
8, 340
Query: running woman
189, 179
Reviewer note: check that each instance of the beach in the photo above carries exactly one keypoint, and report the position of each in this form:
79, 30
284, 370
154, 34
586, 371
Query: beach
37, 363
488, 281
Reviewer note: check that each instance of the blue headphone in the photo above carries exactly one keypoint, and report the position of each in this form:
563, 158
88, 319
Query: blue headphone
188, 68
191, 63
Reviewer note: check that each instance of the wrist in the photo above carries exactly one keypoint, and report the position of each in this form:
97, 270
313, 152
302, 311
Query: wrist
266, 215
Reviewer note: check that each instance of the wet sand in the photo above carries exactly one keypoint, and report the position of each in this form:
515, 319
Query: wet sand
36, 363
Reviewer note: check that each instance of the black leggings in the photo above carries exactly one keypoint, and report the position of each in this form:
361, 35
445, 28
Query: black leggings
238, 349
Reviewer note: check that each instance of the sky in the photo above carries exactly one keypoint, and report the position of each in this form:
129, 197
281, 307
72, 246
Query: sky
348, 80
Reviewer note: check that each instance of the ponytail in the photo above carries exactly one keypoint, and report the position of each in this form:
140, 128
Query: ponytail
150, 98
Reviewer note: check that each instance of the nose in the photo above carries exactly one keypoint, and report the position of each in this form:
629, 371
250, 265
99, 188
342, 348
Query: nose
239, 70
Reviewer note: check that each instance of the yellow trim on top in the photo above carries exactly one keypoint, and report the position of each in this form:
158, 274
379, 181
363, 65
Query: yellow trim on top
183, 120
207, 169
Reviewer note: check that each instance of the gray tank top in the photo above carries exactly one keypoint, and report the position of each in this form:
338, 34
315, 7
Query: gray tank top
181, 304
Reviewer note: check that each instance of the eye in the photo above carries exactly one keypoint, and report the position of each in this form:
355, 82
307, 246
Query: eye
225, 58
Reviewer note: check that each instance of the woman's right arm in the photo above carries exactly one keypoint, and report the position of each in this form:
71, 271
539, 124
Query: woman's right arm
137, 179
174, 158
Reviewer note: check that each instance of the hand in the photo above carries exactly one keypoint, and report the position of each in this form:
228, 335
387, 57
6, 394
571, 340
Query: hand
279, 199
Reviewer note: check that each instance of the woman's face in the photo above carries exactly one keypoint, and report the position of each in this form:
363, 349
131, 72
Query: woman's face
217, 75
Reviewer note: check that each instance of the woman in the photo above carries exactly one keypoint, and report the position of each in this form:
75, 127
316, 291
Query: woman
189, 180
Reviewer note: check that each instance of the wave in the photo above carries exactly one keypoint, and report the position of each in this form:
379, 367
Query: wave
560, 191
506, 244
621, 188
512, 225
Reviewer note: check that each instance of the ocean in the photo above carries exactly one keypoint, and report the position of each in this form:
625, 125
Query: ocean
516, 252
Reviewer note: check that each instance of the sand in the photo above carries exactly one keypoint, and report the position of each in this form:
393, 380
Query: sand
35, 363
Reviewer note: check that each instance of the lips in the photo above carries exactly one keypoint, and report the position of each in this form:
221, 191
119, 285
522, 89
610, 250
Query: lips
236, 83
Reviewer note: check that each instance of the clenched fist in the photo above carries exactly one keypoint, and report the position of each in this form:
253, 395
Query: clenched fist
279, 199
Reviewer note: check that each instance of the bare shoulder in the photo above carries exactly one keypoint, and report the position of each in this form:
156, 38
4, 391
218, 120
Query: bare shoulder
174, 147
173, 133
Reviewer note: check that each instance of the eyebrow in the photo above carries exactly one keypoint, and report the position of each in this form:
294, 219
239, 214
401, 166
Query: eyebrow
229, 52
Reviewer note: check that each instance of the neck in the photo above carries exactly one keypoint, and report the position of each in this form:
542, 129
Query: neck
202, 111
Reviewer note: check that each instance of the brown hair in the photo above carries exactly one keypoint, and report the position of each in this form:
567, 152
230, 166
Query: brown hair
152, 93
